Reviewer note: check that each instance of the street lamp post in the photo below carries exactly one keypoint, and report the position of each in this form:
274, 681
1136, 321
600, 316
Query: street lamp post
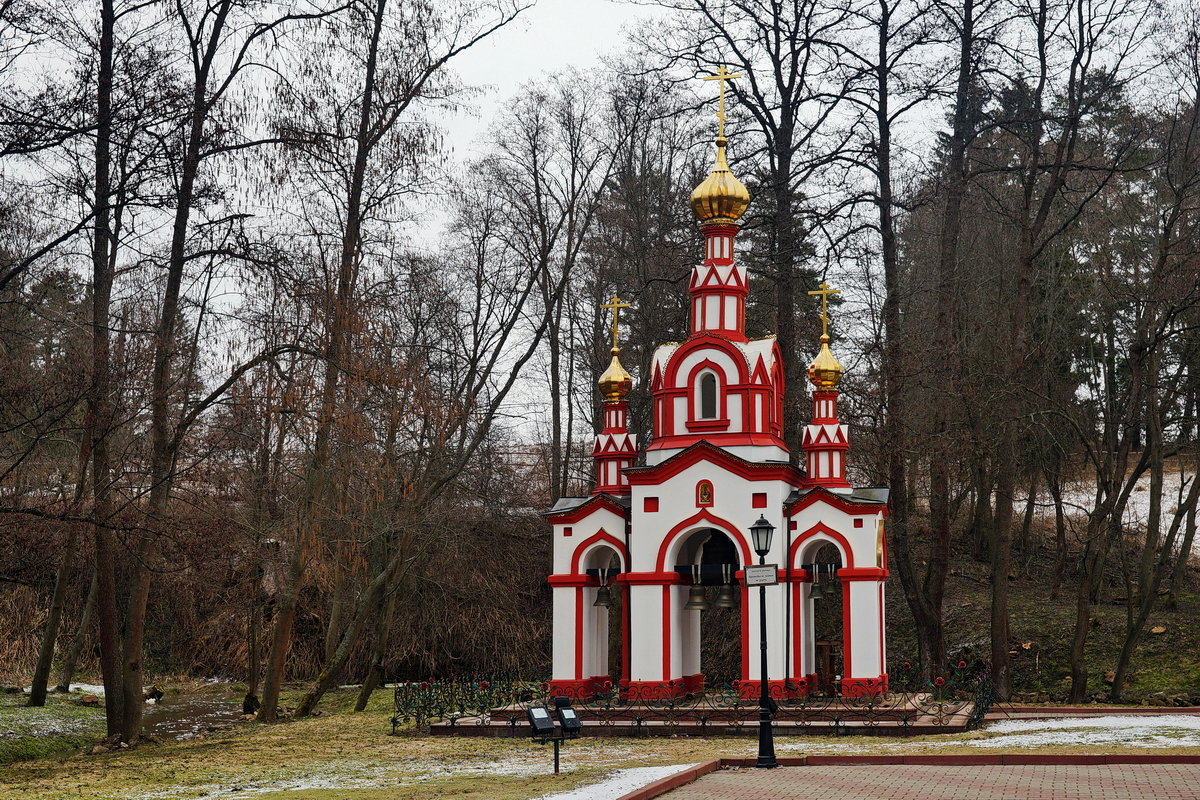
760, 534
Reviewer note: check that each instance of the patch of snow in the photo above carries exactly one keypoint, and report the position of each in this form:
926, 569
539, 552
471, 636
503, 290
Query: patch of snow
1181, 730
1080, 497
619, 783
353, 774
835, 747
35, 723
88, 688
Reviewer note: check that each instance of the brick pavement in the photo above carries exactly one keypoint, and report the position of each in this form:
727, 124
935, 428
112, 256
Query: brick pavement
929, 782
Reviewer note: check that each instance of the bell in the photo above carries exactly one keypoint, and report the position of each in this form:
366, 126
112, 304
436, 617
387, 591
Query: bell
725, 597
603, 597
818, 590
697, 600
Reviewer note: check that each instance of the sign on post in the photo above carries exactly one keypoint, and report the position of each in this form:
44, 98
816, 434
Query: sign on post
762, 575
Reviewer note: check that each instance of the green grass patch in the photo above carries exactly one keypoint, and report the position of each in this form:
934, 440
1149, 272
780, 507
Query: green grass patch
61, 727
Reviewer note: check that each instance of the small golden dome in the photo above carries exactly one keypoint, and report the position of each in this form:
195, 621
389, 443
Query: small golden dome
615, 383
721, 197
825, 370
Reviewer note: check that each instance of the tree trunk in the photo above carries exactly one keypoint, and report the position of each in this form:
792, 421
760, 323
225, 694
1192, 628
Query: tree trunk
99, 403
72, 657
340, 317
367, 605
383, 631
1002, 565
785, 252
1060, 532
251, 703
41, 672
1030, 507
281, 633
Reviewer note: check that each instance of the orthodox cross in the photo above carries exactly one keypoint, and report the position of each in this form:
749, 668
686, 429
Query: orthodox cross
824, 292
723, 74
615, 305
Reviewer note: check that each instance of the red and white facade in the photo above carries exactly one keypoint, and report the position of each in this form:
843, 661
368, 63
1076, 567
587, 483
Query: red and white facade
715, 462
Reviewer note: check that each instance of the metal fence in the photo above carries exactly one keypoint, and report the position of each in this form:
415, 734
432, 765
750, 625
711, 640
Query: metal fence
961, 697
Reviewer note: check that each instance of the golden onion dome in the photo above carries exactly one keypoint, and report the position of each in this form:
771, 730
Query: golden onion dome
615, 383
721, 197
825, 370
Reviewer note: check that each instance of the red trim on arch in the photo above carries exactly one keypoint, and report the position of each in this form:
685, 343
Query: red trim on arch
713, 521
838, 501
819, 528
593, 503
723, 385
706, 340
601, 536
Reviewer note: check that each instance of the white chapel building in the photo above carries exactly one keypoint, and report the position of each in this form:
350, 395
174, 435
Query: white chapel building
715, 462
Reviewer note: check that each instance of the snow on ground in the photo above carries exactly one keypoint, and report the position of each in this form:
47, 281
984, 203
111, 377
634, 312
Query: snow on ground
1129, 731
19, 722
1175, 730
620, 783
355, 774
1080, 498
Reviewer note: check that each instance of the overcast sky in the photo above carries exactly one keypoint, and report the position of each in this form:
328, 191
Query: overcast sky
552, 35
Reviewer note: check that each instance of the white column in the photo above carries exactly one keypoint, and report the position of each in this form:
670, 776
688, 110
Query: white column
777, 640
645, 633
866, 656
563, 640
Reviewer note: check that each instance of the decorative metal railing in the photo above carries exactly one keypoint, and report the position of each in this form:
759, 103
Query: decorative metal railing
960, 697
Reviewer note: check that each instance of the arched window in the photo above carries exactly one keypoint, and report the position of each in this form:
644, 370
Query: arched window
708, 396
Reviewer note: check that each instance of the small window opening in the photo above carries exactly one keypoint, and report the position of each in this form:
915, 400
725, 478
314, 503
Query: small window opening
708, 396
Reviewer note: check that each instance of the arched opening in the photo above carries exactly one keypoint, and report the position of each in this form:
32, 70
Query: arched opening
711, 613
708, 395
824, 623
604, 617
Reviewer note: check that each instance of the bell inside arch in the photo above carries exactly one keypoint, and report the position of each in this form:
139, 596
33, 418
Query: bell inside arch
603, 597
725, 598
697, 599
819, 592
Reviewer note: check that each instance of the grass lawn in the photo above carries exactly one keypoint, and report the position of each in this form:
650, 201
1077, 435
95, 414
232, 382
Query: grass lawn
345, 756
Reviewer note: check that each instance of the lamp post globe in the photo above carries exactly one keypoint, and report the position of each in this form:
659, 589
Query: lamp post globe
760, 535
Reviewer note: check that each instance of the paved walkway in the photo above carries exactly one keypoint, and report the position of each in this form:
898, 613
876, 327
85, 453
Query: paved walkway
919, 782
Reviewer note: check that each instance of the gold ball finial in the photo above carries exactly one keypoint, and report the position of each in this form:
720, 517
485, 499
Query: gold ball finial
721, 197
615, 382
825, 370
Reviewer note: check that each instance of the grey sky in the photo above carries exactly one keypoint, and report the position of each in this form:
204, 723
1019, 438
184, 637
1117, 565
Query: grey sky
552, 35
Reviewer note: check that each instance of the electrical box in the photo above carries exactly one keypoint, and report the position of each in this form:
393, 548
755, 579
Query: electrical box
540, 721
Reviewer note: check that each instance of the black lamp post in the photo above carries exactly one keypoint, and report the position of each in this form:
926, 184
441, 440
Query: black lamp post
760, 535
